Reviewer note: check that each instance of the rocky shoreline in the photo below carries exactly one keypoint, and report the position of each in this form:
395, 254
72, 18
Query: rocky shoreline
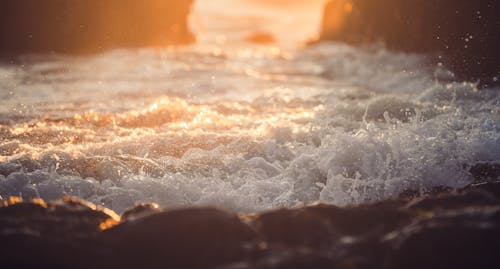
444, 229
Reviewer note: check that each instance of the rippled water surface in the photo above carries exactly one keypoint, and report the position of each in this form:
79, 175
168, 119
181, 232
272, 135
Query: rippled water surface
237, 125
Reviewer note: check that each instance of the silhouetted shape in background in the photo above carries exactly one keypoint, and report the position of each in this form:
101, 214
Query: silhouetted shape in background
89, 26
463, 34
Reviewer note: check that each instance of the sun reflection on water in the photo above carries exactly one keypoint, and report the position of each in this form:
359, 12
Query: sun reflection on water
168, 114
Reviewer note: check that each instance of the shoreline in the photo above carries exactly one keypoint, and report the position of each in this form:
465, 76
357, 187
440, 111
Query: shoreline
447, 229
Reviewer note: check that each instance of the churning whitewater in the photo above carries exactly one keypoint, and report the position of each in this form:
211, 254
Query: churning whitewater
241, 126
244, 129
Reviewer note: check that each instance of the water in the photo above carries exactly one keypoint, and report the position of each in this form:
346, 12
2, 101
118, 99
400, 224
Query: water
240, 126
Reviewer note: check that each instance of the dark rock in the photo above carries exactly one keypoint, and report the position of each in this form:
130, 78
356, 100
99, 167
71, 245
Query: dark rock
454, 229
289, 259
299, 261
471, 198
191, 238
54, 235
304, 227
480, 194
490, 187
461, 239
140, 211
70, 218
89, 26
462, 34
323, 226
411, 194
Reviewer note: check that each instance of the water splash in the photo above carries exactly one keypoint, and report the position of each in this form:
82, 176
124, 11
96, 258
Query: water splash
246, 130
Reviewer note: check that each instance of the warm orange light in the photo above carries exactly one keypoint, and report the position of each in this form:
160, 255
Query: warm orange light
336, 14
173, 114
263, 22
348, 7
107, 224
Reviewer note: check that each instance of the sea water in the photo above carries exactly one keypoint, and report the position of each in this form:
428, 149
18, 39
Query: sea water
241, 126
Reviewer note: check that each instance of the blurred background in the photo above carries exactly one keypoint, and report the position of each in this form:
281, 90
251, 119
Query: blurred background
289, 22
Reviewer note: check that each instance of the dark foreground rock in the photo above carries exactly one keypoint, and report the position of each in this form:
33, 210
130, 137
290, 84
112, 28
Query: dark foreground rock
54, 235
89, 26
459, 229
462, 34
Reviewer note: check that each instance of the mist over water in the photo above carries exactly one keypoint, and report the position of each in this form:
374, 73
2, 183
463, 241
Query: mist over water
239, 126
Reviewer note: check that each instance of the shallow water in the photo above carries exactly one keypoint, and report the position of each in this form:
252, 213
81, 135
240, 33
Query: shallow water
240, 126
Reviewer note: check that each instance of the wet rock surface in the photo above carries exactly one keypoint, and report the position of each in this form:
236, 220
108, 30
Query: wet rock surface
461, 34
79, 26
54, 235
445, 229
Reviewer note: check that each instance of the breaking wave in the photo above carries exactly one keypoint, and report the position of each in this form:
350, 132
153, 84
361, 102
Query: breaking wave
244, 129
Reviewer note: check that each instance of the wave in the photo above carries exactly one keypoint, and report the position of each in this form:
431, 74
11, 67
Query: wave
244, 130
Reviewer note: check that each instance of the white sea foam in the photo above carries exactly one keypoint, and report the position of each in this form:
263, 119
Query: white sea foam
245, 130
